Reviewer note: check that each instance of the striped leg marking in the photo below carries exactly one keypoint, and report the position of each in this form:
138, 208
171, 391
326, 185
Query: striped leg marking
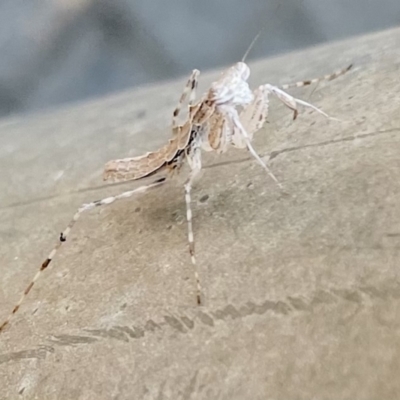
63, 237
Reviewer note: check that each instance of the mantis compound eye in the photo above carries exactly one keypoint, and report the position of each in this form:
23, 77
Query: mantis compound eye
243, 70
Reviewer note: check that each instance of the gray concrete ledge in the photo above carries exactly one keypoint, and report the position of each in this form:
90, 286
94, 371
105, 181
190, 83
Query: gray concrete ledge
302, 290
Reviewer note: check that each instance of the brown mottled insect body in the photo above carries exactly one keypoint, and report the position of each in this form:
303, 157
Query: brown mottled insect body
228, 114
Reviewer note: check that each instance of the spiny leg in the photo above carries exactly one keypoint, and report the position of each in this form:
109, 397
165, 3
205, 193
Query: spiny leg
292, 102
236, 123
63, 238
252, 117
190, 87
194, 161
328, 77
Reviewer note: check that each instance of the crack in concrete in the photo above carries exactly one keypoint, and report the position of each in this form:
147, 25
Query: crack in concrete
271, 155
38, 353
276, 153
360, 295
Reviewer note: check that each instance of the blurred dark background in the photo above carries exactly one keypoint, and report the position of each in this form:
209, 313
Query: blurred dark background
58, 51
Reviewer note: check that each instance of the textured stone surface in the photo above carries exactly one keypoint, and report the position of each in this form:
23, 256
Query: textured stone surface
302, 290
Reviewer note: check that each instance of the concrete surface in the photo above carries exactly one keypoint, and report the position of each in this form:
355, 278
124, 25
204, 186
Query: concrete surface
302, 291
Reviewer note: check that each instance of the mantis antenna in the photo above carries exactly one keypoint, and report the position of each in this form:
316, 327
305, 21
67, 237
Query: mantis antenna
253, 42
